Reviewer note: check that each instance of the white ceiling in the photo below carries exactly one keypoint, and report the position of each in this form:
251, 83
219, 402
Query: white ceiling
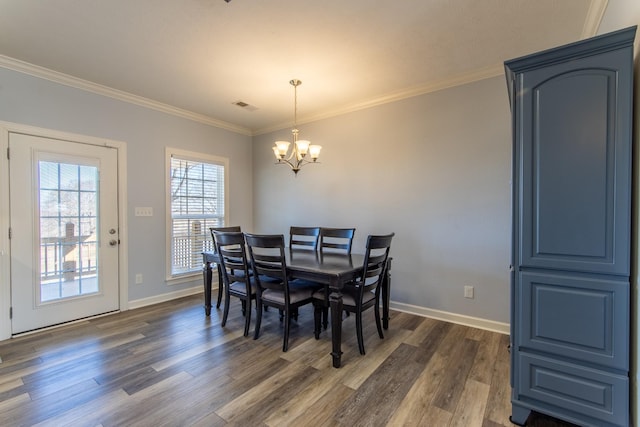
201, 56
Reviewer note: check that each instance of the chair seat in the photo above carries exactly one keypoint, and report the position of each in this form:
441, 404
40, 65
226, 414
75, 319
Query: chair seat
295, 295
269, 279
241, 288
348, 297
240, 273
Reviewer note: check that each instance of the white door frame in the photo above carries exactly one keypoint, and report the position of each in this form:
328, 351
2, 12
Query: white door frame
5, 261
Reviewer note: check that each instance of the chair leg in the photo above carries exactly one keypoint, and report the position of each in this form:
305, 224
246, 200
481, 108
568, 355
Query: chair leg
359, 331
258, 319
287, 323
220, 288
317, 312
225, 312
378, 322
244, 307
325, 317
247, 317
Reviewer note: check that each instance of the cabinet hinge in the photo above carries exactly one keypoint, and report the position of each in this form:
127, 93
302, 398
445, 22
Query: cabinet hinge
7, 153
10, 312
10, 233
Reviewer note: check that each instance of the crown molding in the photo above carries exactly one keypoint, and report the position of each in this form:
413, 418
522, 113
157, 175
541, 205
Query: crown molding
458, 80
67, 80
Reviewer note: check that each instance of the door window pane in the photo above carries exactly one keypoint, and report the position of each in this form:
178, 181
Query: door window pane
68, 210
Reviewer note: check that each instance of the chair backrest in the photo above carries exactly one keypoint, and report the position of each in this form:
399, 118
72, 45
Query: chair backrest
375, 261
336, 238
232, 228
266, 252
230, 246
307, 237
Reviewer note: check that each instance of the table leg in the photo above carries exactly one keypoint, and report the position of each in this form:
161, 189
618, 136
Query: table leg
207, 273
335, 300
386, 285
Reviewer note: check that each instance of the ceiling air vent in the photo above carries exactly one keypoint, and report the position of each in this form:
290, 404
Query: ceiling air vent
245, 106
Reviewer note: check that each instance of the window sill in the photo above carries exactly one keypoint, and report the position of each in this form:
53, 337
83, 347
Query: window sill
184, 278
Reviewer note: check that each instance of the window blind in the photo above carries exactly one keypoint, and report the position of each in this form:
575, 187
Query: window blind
197, 203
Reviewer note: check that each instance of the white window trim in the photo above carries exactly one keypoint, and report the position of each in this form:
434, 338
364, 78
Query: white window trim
198, 157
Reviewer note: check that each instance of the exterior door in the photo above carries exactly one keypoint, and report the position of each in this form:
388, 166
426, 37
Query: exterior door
64, 231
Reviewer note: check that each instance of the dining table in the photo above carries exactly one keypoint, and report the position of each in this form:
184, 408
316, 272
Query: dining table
331, 269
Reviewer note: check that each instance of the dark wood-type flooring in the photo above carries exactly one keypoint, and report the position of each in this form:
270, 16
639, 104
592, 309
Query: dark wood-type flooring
170, 365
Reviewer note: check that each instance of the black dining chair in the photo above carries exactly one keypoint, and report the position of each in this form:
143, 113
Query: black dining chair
304, 237
267, 254
229, 229
232, 228
336, 239
364, 292
238, 282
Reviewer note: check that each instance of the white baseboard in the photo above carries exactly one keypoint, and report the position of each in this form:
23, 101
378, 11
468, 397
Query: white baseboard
164, 297
474, 322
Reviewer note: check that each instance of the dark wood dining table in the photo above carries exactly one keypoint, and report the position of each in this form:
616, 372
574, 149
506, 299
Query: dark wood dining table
333, 270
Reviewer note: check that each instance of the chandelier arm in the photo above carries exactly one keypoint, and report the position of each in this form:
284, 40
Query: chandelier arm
293, 152
294, 168
287, 162
297, 165
303, 162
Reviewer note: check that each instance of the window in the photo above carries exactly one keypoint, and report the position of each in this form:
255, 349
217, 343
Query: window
196, 202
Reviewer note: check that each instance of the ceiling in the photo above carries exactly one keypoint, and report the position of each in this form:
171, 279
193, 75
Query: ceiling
199, 57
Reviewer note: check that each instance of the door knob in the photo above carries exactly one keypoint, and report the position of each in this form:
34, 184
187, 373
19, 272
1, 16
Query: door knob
113, 242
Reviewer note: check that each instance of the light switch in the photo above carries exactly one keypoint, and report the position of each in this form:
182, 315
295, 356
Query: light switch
144, 211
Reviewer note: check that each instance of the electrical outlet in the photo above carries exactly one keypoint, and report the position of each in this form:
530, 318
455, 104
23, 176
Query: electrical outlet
144, 211
138, 279
468, 291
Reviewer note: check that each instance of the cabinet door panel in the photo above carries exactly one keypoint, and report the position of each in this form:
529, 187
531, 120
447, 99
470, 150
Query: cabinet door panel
582, 318
575, 167
587, 392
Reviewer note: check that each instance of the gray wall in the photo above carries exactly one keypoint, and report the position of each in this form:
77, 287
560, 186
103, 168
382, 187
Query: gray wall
37, 102
435, 169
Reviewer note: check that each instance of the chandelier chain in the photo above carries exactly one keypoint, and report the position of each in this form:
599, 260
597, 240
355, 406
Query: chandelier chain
295, 84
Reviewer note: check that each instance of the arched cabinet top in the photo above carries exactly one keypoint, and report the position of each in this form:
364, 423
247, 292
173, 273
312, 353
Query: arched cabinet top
582, 48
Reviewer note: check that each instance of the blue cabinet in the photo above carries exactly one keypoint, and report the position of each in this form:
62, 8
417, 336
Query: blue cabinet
572, 129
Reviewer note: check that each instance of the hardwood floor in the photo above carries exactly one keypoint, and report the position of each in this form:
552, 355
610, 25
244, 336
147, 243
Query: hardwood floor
169, 364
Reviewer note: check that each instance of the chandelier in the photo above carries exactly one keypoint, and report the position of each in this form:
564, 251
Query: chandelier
301, 147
